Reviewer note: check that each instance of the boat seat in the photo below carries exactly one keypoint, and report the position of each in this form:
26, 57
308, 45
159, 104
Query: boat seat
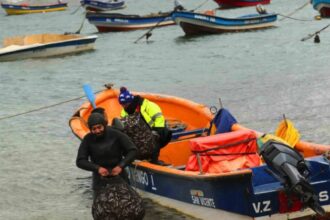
17, 40
47, 38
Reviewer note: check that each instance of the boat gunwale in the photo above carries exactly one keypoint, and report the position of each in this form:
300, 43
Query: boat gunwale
24, 48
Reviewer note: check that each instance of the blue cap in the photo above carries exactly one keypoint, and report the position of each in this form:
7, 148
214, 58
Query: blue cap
125, 96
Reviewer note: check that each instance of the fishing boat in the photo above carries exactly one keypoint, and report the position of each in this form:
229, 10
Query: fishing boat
323, 6
44, 45
240, 3
198, 23
94, 5
24, 8
110, 22
219, 176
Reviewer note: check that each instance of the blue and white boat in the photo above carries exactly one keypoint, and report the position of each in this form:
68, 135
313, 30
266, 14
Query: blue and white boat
198, 23
99, 5
323, 6
220, 176
45, 45
110, 22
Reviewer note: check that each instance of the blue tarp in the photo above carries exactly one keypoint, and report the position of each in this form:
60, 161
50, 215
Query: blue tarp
223, 121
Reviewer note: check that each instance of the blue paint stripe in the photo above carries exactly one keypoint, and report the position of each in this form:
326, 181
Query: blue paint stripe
239, 21
104, 5
20, 7
112, 19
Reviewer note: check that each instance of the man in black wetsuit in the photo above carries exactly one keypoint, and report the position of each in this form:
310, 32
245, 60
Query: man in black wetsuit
104, 151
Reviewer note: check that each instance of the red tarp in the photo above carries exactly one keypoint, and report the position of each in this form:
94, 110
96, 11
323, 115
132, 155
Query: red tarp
231, 151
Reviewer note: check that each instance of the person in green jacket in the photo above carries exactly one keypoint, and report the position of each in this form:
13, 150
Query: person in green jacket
151, 114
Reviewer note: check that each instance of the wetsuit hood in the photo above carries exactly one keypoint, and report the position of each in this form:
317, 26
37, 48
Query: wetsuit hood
95, 119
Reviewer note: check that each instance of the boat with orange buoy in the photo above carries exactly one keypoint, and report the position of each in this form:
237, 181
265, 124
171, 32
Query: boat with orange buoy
216, 171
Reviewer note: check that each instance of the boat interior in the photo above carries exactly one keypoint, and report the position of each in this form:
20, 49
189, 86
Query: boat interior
37, 39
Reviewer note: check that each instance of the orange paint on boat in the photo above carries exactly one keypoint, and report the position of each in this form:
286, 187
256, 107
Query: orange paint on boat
192, 114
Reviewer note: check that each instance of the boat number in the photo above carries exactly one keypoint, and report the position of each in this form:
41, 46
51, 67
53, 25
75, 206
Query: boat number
202, 17
200, 200
261, 207
323, 196
141, 177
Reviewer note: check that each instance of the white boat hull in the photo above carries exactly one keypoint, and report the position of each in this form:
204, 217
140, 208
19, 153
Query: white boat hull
14, 52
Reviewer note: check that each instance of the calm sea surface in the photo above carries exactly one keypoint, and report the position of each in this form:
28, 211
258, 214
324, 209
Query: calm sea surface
258, 75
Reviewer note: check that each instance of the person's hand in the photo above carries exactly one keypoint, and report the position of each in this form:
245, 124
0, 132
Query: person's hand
116, 170
103, 171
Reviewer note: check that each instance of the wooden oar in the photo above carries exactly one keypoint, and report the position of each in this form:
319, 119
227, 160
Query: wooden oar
89, 94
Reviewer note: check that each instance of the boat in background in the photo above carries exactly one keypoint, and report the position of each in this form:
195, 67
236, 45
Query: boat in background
208, 23
223, 4
111, 22
323, 6
44, 45
25, 8
94, 5
246, 190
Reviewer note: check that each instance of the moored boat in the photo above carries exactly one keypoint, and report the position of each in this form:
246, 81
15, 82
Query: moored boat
44, 45
109, 22
246, 193
323, 6
197, 23
94, 5
240, 3
15, 9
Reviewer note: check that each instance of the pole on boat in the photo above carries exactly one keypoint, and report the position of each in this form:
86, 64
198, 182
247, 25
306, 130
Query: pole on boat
309, 36
89, 94
199, 164
148, 33
81, 26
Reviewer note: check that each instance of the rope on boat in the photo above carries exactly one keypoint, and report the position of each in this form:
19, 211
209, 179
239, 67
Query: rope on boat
75, 11
309, 36
298, 9
203, 3
297, 19
43, 107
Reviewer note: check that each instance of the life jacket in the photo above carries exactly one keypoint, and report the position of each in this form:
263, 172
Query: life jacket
224, 152
151, 113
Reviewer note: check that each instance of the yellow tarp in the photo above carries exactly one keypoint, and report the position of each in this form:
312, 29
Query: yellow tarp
288, 132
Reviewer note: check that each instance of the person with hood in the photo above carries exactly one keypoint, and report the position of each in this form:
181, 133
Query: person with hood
106, 152
152, 117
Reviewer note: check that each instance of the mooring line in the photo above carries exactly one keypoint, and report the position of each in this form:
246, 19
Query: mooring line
298, 9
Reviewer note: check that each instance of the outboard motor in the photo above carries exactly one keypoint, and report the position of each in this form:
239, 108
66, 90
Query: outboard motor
290, 168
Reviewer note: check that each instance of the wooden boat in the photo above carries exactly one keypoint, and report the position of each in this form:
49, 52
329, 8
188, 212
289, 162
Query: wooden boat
109, 22
323, 6
44, 45
239, 194
197, 23
94, 5
14, 9
240, 3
